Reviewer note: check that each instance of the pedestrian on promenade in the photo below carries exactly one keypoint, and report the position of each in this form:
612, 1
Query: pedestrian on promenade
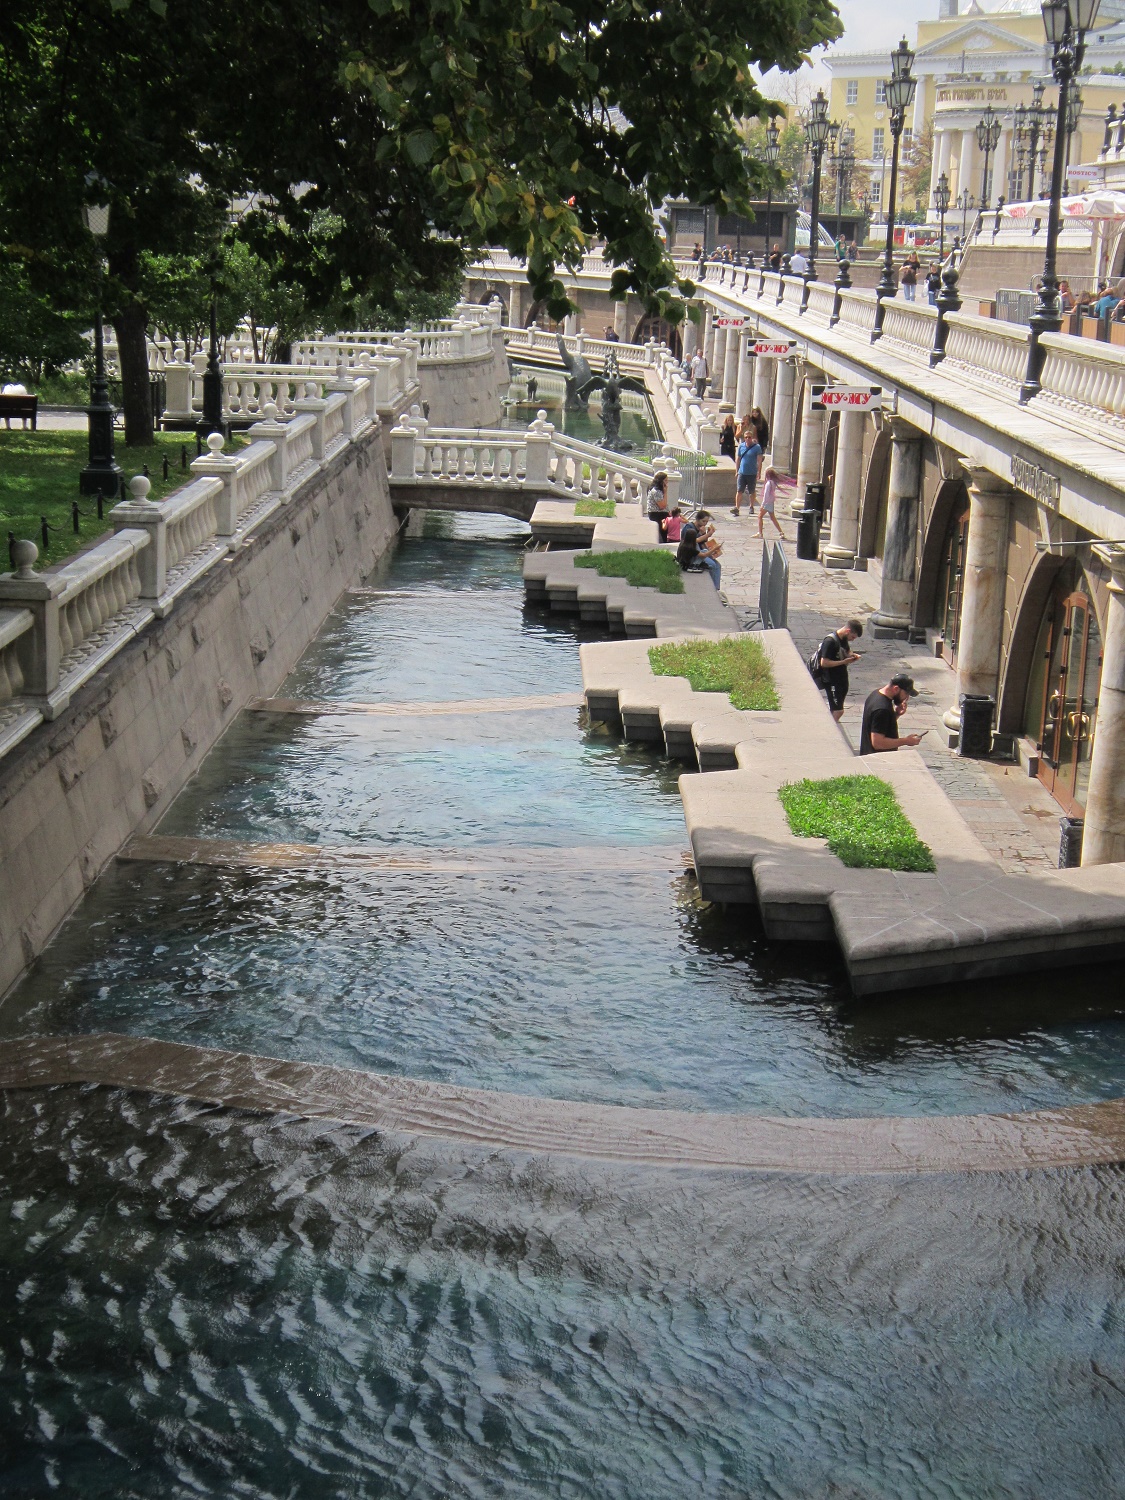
833, 657
933, 283
1066, 297
749, 453
700, 372
853, 251
697, 253
775, 258
909, 277
757, 419
728, 439
881, 713
769, 500
610, 336
798, 265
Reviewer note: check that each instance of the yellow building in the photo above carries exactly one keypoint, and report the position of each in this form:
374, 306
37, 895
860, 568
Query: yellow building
964, 62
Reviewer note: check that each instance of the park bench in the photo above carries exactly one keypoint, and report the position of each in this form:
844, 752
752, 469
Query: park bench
22, 406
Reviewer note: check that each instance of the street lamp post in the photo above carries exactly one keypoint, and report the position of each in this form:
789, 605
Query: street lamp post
1066, 23
771, 152
212, 416
965, 201
817, 130
102, 473
1033, 131
900, 95
988, 137
941, 203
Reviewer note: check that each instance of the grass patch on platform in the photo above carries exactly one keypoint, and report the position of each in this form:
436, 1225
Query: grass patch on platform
605, 509
39, 477
644, 570
861, 819
738, 667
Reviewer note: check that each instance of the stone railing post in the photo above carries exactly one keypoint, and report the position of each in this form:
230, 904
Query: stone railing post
365, 393
218, 465
403, 439
317, 406
271, 430
142, 514
40, 647
344, 384
177, 388
1103, 836
540, 441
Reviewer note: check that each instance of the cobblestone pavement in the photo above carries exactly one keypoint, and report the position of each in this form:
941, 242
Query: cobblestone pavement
1011, 813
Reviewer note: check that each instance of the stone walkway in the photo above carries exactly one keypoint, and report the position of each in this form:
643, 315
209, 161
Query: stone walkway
1011, 813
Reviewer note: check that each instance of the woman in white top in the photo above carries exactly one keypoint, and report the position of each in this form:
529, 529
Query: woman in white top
769, 500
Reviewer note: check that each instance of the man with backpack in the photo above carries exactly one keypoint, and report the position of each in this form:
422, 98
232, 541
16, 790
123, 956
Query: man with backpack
828, 664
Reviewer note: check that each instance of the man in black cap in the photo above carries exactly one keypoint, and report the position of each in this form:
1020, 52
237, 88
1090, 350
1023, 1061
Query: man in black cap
881, 713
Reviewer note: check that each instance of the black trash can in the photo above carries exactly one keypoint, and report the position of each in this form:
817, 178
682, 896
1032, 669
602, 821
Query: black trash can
808, 535
814, 497
1070, 843
977, 710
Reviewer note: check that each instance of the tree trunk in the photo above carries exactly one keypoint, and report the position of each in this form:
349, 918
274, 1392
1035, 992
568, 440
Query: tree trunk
130, 325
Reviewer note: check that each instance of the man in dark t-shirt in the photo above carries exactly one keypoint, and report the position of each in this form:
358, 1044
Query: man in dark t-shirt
881, 713
835, 655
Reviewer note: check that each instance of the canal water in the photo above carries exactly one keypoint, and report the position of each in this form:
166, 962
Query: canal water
205, 1303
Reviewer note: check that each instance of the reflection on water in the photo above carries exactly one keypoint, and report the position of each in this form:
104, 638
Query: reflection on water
207, 1304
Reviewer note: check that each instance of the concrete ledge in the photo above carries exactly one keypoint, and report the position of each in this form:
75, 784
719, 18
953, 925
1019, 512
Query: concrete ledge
906, 1145
550, 578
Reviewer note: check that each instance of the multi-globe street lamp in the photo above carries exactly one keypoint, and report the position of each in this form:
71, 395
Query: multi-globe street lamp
1066, 23
772, 153
900, 95
941, 203
965, 201
817, 129
1034, 131
842, 160
102, 473
988, 137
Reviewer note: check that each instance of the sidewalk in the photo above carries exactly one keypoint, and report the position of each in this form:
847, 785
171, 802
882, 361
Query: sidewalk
1011, 813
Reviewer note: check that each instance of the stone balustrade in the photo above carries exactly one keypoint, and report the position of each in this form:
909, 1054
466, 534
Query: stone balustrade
1084, 387
984, 346
14, 623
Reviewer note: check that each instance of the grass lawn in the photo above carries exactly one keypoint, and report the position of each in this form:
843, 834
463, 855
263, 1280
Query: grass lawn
861, 819
740, 668
644, 570
606, 509
39, 477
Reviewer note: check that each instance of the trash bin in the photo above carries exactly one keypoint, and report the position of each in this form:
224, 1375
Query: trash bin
1070, 843
808, 535
814, 497
977, 710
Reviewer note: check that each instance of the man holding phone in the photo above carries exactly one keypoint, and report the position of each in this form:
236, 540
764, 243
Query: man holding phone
881, 713
835, 657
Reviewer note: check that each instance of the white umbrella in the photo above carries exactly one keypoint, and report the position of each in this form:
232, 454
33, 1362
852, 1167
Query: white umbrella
1101, 203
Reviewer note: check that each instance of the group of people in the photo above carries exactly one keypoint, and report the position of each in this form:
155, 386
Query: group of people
882, 709
745, 446
697, 547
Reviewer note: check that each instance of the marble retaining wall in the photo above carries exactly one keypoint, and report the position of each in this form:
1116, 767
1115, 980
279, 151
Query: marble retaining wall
466, 392
110, 765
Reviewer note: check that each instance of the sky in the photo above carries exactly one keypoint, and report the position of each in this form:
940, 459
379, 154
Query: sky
873, 24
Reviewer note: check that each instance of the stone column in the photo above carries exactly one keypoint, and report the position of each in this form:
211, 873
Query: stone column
1103, 838
744, 381
690, 337
515, 306
621, 317
709, 334
718, 362
943, 147
762, 397
843, 543
810, 459
730, 366
782, 422
982, 591
1000, 169
896, 596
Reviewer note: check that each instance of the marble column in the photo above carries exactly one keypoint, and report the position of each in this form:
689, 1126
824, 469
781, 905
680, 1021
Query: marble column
621, 317
709, 332
1103, 837
763, 389
896, 595
843, 542
810, 458
730, 366
515, 306
943, 149
690, 337
782, 419
999, 170
982, 591
744, 384
718, 362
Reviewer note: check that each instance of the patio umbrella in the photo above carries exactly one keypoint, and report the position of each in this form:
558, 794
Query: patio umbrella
1100, 203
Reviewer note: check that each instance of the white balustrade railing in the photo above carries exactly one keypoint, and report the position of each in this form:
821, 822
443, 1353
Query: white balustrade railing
910, 324
857, 312
1084, 381
15, 625
97, 585
190, 520
984, 346
822, 299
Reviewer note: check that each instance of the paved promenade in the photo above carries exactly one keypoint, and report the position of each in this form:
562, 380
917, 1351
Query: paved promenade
1011, 813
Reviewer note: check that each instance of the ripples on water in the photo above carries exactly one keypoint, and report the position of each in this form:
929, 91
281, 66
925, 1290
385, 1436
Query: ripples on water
218, 1305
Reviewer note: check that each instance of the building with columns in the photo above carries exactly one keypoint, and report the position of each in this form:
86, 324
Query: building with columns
965, 60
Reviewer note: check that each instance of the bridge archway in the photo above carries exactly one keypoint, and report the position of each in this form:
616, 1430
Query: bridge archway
941, 569
873, 511
659, 329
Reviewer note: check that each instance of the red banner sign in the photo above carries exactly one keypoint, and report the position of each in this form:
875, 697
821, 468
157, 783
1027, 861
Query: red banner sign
765, 350
847, 397
728, 322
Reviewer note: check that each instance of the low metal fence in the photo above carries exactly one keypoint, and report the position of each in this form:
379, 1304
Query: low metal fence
773, 588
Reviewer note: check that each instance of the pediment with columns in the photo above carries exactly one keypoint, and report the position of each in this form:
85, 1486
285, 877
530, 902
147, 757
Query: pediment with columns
980, 36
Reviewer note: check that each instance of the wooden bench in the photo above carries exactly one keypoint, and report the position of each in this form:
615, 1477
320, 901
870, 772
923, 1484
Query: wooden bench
25, 407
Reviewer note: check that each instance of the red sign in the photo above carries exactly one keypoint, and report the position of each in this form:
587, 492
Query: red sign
728, 322
847, 397
772, 351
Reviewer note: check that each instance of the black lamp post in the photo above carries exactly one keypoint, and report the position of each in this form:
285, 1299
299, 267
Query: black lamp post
102, 472
843, 160
988, 137
1033, 129
817, 129
965, 201
900, 95
941, 203
772, 153
1066, 23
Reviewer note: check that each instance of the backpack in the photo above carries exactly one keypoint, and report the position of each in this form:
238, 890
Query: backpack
816, 671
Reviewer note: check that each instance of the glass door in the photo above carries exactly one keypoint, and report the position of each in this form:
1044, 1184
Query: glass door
1073, 676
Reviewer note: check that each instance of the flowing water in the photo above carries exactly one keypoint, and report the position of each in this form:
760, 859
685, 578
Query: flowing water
205, 1303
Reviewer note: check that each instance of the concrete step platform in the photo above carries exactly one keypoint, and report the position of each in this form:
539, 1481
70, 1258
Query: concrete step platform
550, 578
896, 930
556, 523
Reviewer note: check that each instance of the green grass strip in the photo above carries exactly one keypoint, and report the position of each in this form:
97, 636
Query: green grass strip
644, 570
738, 667
604, 508
861, 819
